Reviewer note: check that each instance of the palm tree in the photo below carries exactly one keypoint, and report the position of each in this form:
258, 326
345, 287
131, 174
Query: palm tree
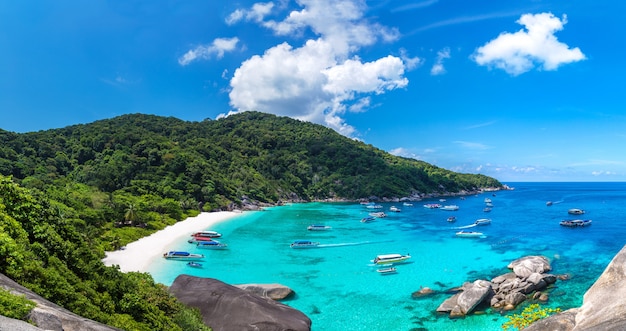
131, 214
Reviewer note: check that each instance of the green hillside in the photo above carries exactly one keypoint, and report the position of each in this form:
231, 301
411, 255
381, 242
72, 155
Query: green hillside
264, 157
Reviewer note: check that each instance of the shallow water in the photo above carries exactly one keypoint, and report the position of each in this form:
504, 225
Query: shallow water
339, 289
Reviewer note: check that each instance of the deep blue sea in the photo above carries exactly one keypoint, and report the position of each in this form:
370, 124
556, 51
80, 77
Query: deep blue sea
339, 289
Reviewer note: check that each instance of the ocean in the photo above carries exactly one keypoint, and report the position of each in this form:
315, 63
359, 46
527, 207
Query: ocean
338, 287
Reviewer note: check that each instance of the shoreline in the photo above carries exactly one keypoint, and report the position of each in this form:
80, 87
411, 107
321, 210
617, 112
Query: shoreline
138, 255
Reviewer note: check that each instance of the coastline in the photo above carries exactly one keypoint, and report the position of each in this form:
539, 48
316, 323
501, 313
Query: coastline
138, 255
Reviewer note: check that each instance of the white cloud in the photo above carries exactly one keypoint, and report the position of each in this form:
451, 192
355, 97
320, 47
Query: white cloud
256, 14
480, 125
322, 79
217, 48
401, 151
519, 52
472, 145
438, 68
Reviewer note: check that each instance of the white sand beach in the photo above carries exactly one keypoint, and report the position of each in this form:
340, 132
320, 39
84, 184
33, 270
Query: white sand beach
138, 255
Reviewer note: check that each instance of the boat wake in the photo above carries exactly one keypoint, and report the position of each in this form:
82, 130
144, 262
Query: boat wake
465, 227
352, 244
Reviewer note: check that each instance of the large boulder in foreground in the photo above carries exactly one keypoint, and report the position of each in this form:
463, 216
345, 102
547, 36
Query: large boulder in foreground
225, 307
604, 304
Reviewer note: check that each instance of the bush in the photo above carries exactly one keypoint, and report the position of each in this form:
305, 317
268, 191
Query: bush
529, 315
14, 306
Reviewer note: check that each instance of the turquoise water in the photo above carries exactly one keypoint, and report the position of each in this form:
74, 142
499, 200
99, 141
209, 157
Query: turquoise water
339, 289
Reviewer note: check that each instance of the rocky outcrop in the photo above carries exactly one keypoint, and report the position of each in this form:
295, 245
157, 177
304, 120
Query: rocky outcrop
224, 307
464, 302
49, 316
272, 291
503, 292
604, 304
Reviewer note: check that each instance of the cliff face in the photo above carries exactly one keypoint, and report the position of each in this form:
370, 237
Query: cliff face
604, 304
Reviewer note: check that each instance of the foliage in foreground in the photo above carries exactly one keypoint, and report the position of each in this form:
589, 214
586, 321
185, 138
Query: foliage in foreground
14, 306
529, 315
43, 251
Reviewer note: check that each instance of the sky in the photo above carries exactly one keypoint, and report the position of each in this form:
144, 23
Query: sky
526, 90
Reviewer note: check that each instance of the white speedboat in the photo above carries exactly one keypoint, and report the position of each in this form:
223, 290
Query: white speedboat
179, 255
432, 205
318, 227
450, 207
469, 234
304, 244
394, 209
575, 223
575, 211
483, 221
213, 244
194, 264
368, 219
379, 214
391, 259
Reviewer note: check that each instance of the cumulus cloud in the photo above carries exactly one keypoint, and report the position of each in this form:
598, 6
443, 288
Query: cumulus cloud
438, 68
323, 78
217, 48
519, 52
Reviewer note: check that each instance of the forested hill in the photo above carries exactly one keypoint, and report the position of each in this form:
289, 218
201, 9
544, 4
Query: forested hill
216, 162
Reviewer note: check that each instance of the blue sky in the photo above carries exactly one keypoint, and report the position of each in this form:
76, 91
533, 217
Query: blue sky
518, 90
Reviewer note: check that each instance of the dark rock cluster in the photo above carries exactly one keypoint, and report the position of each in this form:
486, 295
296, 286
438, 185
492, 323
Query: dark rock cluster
504, 292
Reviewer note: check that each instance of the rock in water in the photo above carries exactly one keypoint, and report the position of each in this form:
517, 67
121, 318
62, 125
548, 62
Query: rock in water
225, 307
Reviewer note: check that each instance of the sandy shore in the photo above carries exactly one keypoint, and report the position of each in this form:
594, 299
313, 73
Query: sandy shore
138, 255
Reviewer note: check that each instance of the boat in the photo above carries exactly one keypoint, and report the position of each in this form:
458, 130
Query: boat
387, 271
469, 234
199, 239
207, 234
180, 255
304, 244
318, 227
487, 209
213, 244
575, 211
371, 206
452, 219
394, 209
391, 259
194, 264
483, 221
489, 204
575, 223
450, 207
368, 219
487, 200
549, 203
432, 205
379, 214
407, 204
